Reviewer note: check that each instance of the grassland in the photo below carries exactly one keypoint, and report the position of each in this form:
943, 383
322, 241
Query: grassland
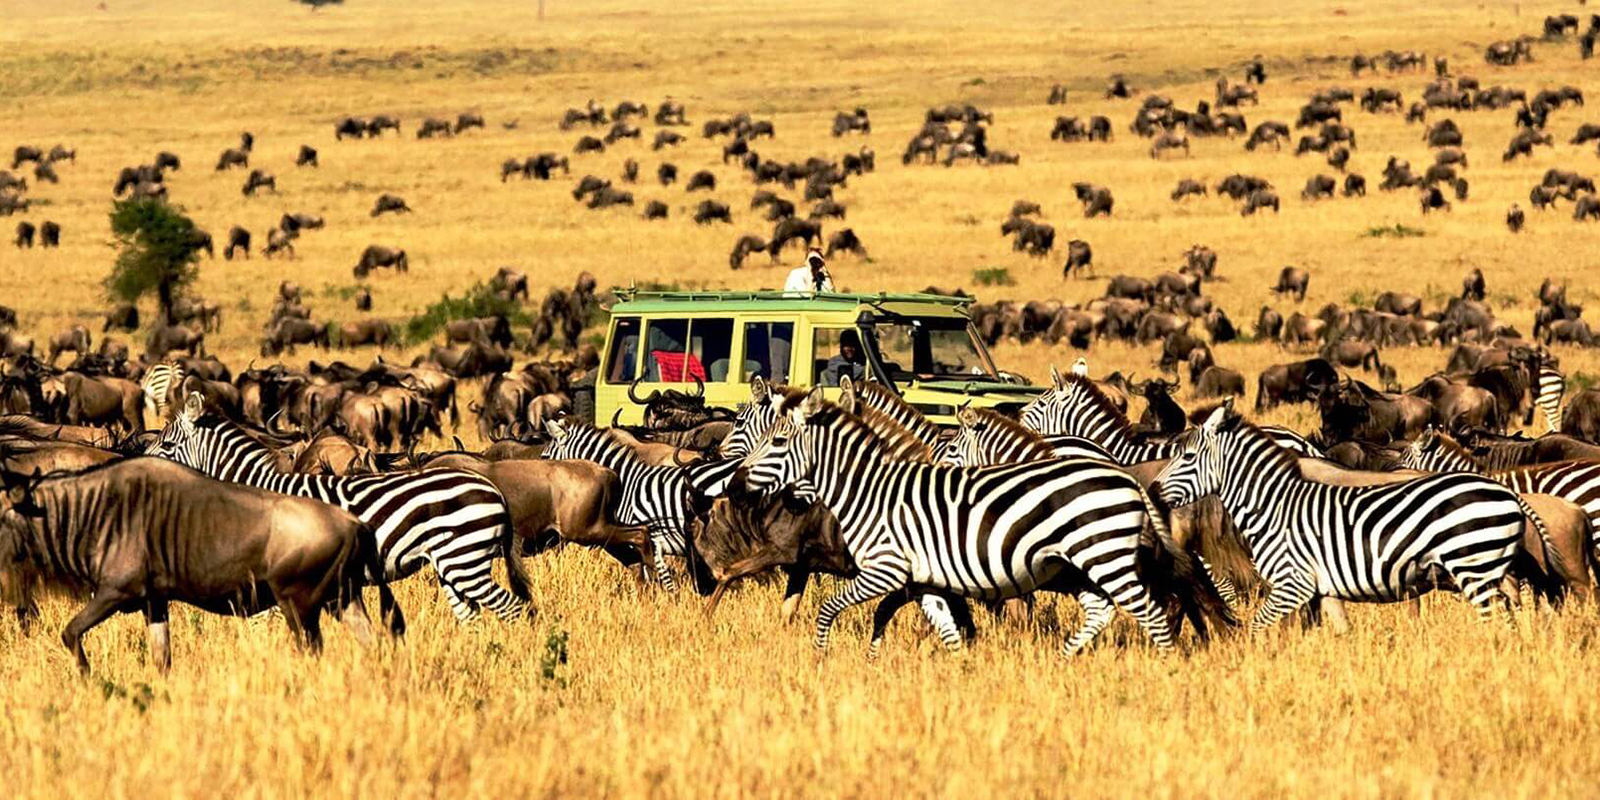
651, 698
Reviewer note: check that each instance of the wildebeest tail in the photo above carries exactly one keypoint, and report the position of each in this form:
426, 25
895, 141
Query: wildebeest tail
516, 571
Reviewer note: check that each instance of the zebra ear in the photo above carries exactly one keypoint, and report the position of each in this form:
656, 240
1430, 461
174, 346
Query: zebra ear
193, 406
1055, 378
556, 430
966, 415
1080, 367
758, 389
813, 402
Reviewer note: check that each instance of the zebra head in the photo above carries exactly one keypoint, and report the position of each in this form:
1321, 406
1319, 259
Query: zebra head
1059, 409
1196, 471
1432, 452
753, 420
966, 449
567, 442
780, 461
181, 439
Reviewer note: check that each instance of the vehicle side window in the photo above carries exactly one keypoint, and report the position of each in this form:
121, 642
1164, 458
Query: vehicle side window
710, 346
622, 359
835, 353
766, 351
665, 354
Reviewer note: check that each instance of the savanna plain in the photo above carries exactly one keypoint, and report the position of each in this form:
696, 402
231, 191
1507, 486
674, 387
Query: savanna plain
614, 690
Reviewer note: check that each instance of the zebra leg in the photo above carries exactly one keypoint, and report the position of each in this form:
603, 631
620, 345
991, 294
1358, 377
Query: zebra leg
1118, 578
464, 611
941, 615
1484, 593
874, 581
658, 557
469, 583
1097, 613
1288, 593
1225, 588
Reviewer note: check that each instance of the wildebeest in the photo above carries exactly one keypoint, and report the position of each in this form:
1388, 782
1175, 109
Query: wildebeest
141, 533
375, 332
238, 239
379, 256
124, 316
1097, 200
655, 209
75, 339
704, 179
307, 156
257, 180
1259, 199
792, 228
378, 124
1293, 279
25, 234
468, 119
1295, 382
606, 196
844, 240
711, 210
1318, 186
666, 139
278, 241
1080, 256
1355, 186
288, 332
388, 203
233, 157
1186, 187
1169, 141
667, 173
745, 245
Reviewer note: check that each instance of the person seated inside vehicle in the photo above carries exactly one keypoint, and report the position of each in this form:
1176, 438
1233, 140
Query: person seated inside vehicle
850, 360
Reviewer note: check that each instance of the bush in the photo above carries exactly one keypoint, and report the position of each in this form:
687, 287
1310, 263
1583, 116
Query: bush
479, 301
993, 276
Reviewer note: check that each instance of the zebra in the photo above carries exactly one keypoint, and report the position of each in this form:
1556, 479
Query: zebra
655, 496
157, 385
988, 532
986, 437
1380, 543
1577, 482
1075, 406
1549, 386
452, 520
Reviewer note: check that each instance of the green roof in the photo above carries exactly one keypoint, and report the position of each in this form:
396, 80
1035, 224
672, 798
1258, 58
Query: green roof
640, 301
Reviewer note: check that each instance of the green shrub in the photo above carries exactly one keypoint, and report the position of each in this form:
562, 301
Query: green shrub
993, 276
1395, 231
478, 301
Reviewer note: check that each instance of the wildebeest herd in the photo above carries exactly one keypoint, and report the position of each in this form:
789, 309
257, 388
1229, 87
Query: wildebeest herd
1174, 517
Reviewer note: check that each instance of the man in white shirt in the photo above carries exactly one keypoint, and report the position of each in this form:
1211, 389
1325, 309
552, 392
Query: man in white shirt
813, 277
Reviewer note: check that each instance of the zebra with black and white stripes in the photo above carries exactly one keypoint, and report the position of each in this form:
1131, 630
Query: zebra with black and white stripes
1549, 386
160, 381
452, 520
1074, 406
989, 532
1380, 543
655, 496
1577, 482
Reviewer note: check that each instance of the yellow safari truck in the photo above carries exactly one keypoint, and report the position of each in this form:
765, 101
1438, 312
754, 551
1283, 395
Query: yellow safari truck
921, 344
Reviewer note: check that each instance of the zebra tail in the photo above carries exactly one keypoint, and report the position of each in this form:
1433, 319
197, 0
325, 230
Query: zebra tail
516, 571
1555, 564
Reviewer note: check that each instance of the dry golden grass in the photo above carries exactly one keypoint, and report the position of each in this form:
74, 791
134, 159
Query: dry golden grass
654, 700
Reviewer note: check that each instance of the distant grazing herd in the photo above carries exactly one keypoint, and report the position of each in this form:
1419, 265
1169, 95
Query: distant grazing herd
328, 459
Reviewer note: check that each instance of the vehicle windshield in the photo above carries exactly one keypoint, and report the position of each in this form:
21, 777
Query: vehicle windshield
928, 348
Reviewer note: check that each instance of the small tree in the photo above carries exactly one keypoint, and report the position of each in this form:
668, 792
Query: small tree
156, 251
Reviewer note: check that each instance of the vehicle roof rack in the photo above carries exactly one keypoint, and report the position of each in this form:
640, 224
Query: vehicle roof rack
631, 294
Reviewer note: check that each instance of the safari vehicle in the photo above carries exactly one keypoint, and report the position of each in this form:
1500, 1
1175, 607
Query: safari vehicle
921, 344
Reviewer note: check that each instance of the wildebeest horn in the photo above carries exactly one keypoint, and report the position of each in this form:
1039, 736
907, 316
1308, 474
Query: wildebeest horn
633, 392
616, 418
459, 445
700, 387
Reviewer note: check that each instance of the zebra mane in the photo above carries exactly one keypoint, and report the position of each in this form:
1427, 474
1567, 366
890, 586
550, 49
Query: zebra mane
263, 444
876, 395
1456, 448
1013, 430
899, 441
1098, 399
1273, 454
832, 416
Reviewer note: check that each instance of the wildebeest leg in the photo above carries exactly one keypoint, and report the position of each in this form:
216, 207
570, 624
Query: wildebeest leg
885, 611
793, 589
389, 611
102, 604
155, 618
353, 613
27, 610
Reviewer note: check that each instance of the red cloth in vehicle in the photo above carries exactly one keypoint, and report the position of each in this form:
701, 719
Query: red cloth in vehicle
672, 366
